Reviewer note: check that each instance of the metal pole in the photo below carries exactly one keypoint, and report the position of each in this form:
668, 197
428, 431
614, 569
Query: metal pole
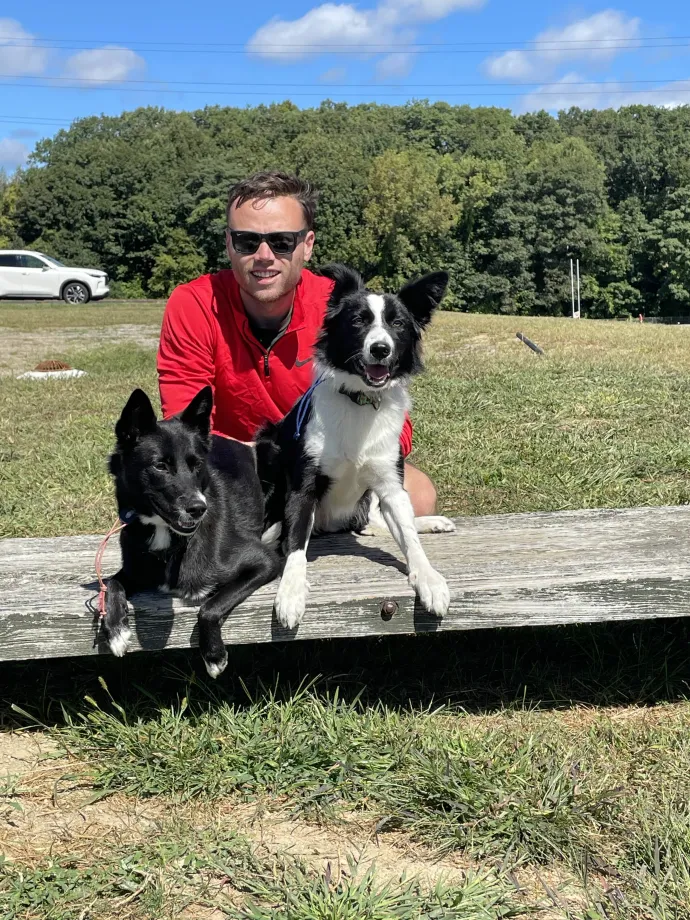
578, 288
572, 287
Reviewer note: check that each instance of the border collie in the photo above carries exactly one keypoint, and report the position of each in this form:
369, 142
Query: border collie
194, 513
339, 446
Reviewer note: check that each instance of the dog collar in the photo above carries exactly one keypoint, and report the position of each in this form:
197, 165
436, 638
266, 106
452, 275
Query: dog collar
360, 398
127, 515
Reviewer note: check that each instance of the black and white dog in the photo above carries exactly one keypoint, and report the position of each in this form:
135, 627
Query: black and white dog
194, 511
339, 447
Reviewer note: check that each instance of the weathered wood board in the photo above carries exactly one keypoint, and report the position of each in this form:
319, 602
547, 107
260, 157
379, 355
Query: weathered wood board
507, 570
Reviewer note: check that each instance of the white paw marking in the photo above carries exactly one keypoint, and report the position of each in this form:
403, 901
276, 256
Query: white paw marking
215, 669
431, 589
119, 643
291, 598
272, 534
367, 531
434, 523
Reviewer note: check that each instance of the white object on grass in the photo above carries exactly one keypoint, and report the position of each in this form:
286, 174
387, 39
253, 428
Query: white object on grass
51, 375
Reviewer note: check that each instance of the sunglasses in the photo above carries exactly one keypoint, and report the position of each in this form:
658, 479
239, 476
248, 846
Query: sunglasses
282, 242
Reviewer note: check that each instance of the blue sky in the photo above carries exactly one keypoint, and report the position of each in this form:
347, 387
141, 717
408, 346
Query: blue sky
63, 61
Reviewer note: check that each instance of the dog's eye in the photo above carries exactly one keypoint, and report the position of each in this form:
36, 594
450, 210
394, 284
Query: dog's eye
397, 324
193, 463
161, 465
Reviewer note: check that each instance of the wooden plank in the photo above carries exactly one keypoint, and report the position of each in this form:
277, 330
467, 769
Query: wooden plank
507, 570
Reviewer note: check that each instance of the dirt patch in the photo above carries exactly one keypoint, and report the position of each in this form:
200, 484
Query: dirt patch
277, 834
21, 351
22, 752
280, 834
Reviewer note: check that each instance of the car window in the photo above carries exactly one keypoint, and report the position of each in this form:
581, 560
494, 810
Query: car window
31, 262
8, 260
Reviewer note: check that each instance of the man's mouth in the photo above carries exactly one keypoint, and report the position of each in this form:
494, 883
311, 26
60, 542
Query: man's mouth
377, 375
267, 275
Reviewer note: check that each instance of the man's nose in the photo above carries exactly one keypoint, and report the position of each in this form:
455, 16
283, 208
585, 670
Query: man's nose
264, 253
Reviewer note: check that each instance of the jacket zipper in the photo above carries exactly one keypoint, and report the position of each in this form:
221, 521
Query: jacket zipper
267, 370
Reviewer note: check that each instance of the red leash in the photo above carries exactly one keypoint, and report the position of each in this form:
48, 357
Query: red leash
116, 528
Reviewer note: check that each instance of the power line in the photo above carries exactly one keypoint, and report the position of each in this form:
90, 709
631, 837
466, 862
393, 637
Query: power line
60, 42
319, 92
92, 82
361, 50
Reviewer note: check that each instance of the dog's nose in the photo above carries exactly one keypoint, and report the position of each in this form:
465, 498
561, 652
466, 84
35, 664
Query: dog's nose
380, 350
196, 509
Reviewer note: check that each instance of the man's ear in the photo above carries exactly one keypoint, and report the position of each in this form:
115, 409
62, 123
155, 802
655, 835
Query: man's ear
137, 419
347, 281
197, 415
421, 297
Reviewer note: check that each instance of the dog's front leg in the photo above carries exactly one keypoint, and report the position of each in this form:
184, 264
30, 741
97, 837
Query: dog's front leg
430, 586
116, 619
255, 568
291, 599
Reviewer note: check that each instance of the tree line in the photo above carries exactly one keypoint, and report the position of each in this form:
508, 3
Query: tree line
503, 202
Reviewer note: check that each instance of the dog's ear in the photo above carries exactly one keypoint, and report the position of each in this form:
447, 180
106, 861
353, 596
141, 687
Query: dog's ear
197, 415
137, 419
421, 297
346, 279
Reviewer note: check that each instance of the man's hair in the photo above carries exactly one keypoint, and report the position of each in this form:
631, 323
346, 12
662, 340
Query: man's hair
263, 185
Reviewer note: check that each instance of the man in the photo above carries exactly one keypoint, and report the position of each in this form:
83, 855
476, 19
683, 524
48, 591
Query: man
249, 331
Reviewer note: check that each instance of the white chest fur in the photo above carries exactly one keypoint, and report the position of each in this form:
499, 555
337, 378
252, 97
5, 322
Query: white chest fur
355, 446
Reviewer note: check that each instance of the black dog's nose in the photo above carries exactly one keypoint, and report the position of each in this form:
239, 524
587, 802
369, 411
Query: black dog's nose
380, 350
196, 509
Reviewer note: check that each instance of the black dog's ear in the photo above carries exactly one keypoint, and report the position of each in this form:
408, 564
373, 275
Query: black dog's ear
346, 279
421, 297
137, 419
198, 413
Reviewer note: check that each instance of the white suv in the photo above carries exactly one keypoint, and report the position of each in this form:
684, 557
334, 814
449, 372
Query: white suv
31, 274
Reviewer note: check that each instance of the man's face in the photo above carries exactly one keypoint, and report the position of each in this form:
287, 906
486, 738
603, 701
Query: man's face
264, 276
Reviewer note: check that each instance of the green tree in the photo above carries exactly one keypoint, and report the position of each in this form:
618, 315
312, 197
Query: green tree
406, 216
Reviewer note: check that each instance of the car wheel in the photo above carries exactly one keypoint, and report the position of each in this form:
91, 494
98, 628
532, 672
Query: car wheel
76, 293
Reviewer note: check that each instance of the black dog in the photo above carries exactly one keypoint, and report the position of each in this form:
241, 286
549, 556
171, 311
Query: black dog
196, 512
341, 443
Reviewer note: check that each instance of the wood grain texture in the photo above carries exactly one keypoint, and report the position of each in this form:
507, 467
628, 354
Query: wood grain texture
504, 570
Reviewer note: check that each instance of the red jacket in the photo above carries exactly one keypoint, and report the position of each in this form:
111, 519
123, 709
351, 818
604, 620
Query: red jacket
206, 339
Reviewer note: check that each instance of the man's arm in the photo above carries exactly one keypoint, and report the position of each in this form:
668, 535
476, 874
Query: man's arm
186, 351
406, 437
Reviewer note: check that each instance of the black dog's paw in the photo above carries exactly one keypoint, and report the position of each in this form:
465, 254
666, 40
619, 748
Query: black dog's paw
116, 621
216, 664
118, 639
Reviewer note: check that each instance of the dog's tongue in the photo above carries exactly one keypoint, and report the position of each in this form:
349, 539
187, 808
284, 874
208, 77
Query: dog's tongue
377, 371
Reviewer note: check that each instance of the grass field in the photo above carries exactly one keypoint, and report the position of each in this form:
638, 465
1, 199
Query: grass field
467, 776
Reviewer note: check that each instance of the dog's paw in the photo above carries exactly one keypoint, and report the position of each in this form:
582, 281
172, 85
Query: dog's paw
432, 590
291, 600
118, 640
434, 523
216, 667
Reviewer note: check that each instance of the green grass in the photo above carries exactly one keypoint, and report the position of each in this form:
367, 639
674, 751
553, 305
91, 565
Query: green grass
33, 316
599, 421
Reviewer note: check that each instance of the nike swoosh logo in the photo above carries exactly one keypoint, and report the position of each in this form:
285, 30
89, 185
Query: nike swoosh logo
302, 363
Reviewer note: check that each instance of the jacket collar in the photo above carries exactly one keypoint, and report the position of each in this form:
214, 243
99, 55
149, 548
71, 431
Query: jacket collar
297, 320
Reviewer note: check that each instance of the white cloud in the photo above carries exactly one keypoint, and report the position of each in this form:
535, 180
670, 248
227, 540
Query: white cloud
19, 55
596, 40
344, 27
571, 90
395, 65
110, 64
334, 75
12, 153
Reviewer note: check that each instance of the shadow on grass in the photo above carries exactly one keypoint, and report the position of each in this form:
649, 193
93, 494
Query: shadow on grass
479, 671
